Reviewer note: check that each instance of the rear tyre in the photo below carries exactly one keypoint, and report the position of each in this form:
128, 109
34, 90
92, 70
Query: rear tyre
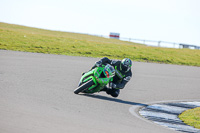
84, 86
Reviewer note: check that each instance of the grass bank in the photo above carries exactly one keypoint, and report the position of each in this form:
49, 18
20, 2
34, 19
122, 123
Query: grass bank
21, 38
191, 117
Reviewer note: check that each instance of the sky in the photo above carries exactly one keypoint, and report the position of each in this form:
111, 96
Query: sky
160, 20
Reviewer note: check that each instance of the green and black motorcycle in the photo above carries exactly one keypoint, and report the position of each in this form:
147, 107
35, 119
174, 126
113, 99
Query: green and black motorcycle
96, 79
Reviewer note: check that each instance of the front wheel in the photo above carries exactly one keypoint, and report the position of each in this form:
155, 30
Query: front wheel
84, 86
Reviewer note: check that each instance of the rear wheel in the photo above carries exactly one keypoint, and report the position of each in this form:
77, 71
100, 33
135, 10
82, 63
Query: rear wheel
84, 86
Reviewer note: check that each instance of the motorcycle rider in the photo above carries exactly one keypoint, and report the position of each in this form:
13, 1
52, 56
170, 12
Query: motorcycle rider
122, 76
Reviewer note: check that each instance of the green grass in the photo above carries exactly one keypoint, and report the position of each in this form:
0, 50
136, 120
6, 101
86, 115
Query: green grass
21, 38
191, 117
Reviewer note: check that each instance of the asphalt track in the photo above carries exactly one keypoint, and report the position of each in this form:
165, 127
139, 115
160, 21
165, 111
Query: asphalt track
36, 95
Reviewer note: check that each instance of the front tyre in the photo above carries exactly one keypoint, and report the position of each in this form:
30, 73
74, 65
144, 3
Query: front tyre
84, 86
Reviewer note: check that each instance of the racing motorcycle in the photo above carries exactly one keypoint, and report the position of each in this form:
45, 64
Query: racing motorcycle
96, 79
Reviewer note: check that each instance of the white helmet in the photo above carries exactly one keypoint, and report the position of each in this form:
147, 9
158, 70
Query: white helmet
126, 64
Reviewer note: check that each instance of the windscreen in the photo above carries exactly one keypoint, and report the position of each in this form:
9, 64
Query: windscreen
109, 71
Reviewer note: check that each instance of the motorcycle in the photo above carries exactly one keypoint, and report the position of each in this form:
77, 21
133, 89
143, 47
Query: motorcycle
96, 79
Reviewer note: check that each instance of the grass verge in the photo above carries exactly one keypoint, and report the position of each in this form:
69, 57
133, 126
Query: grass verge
21, 38
191, 117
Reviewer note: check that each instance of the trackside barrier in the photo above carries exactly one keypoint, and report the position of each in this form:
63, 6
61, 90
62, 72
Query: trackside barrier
155, 43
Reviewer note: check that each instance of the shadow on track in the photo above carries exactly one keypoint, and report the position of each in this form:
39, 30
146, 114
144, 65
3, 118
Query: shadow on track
113, 99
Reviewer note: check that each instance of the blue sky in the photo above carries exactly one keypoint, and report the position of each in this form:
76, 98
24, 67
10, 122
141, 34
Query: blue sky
160, 20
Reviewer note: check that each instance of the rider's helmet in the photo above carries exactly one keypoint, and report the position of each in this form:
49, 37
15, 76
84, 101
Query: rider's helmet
126, 64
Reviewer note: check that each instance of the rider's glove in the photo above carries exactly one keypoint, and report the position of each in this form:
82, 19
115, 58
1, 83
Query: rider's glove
112, 85
98, 63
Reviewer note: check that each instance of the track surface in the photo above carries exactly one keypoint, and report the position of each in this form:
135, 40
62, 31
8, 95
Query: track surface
36, 95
